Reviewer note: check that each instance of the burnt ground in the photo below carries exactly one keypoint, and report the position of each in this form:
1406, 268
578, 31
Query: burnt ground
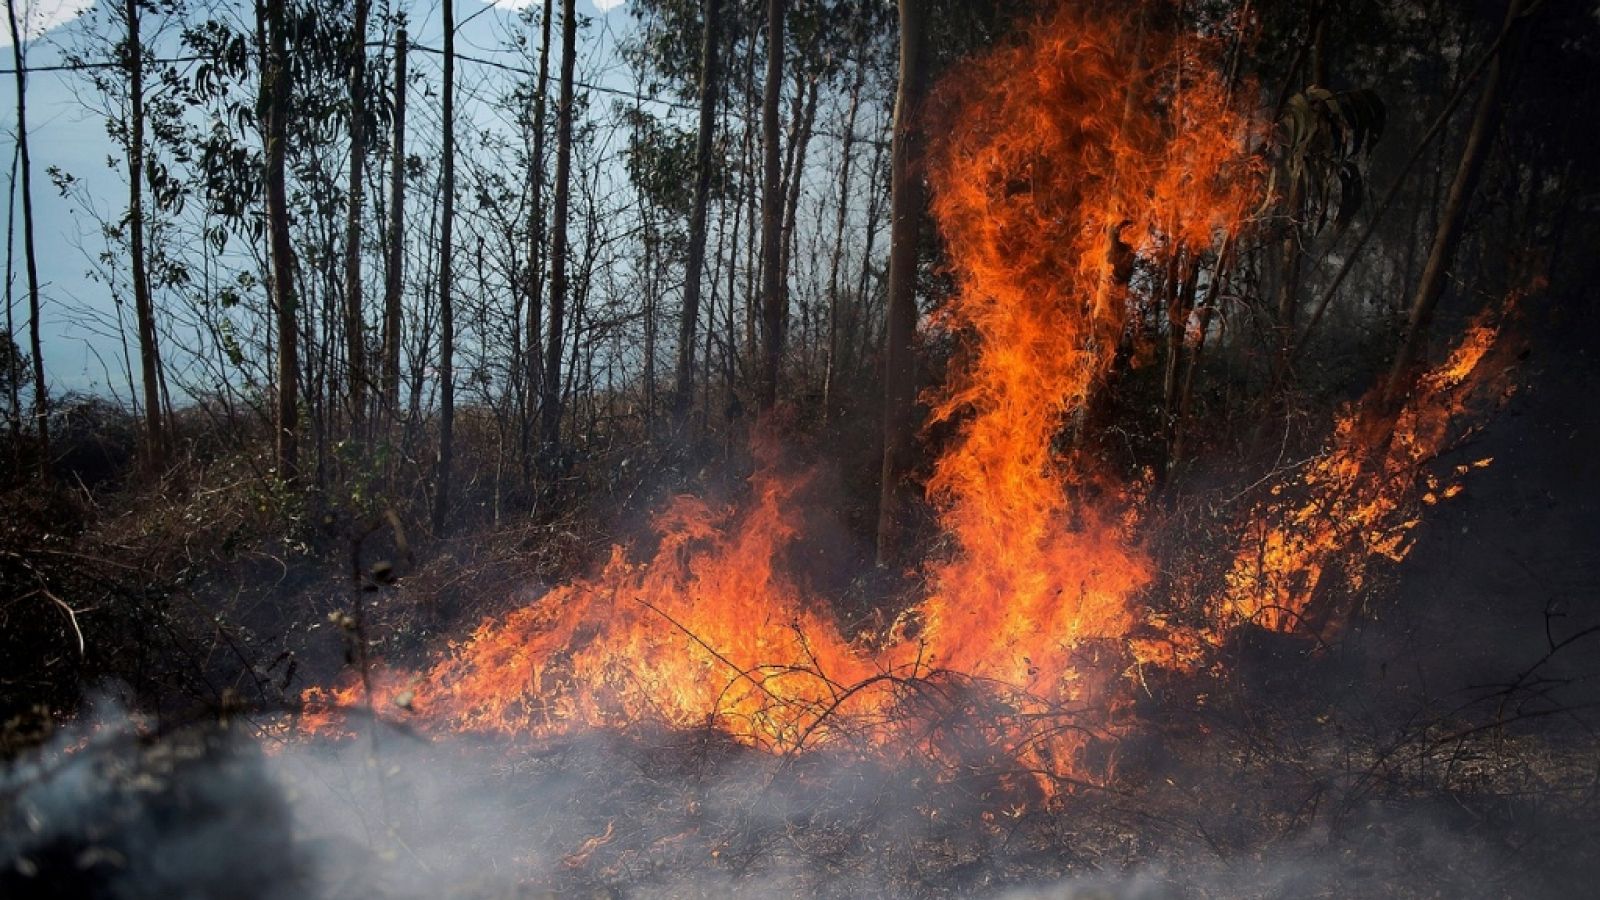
1442, 747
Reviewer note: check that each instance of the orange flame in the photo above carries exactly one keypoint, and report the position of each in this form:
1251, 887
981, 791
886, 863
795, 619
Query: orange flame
1084, 147
1090, 141
1359, 499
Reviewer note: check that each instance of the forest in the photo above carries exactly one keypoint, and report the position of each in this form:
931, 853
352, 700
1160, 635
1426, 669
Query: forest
813, 448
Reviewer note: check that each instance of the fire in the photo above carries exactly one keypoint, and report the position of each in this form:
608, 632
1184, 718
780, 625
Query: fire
1090, 141
1084, 149
1359, 499
709, 631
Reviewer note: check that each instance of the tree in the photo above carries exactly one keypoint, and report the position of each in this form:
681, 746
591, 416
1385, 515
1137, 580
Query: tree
905, 225
832, 368
1485, 120
447, 334
394, 268
684, 387
772, 293
149, 359
354, 329
12, 360
274, 114
536, 239
550, 406
41, 398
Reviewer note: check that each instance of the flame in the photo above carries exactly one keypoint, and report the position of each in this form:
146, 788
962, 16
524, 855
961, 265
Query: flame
1358, 500
1085, 149
1087, 142
709, 631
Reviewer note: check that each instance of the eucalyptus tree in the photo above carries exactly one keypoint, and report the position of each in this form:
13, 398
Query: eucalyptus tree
355, 330
115, 52
550, 403
538, 244
661, 164
447, 335
772, 293
41, 398
275, 96
394, 254
905, 223
1452, 218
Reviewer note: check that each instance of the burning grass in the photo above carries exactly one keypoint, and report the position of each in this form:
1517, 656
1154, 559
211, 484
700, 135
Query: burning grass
1069, 155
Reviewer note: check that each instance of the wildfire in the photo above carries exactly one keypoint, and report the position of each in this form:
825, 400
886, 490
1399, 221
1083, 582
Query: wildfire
1089, 142
1359, 500
1068, 156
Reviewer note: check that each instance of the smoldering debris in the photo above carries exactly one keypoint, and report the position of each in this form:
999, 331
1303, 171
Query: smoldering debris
112, 808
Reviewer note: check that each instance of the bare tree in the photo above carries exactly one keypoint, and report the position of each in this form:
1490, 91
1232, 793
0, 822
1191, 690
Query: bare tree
1485, 121
354, 328
41, 399
271, 28
394, 273
536, 239
149, 360
905, 224
772, 294
447, 331
684, 389
550, 407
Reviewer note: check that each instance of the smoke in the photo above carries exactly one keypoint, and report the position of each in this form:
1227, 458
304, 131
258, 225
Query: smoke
220, 810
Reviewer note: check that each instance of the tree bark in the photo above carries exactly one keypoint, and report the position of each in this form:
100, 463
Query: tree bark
354, 326
394, 273
683, 389
275, 86
1425, 301
41, 399
800, 136
772, 294
447, 329
550, 408
149, 368
13, 359
830, 387
536, 250
905, 224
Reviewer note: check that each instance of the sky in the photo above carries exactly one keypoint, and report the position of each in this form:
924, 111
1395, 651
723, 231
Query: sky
81, 355
37, 17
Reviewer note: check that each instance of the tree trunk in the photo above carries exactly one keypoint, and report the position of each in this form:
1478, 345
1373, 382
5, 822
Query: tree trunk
683, 389
858, 322
905, 224
772, 294
550, 408
41, 399
394, 272
536, 250
1207, 306
275, 85
1485, 120
830, 386
1178, 313
354, 327
12, 352
447, 326
806, 110
149, 368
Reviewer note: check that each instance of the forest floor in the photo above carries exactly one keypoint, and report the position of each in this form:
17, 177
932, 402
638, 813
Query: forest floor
1443, 747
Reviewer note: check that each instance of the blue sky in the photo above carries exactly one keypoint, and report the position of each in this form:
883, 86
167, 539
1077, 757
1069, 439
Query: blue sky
63, 133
